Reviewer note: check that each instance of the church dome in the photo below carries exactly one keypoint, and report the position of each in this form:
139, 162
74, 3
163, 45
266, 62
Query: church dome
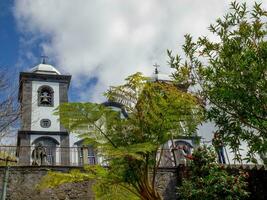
45, 69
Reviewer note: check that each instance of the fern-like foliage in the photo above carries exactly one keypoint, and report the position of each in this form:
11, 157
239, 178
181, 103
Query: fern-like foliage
157, 112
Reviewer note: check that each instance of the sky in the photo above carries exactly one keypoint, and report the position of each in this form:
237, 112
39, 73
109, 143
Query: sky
100, 42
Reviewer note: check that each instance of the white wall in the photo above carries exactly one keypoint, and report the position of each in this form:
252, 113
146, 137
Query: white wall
41, 112
73, 138
206, 131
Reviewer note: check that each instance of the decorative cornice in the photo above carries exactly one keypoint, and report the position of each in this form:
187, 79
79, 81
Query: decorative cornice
44, 77
30, 76
43, 132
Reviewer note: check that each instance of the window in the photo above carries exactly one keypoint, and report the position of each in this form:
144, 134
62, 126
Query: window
91, 155
45, 123
45, 96
87, 154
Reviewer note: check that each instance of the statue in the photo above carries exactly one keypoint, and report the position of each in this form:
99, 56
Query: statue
39, 155
217, 142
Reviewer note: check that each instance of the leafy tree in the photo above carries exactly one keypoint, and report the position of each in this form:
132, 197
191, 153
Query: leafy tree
157, 112
9, 110
208, 180
232, 72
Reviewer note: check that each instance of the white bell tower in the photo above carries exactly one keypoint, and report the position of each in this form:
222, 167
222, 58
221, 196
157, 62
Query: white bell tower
41, 91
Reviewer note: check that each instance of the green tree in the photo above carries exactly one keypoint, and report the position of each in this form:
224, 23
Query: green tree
232, 72
157, 112
209, 181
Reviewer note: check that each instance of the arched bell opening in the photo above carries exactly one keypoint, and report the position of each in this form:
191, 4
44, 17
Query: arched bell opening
45, 96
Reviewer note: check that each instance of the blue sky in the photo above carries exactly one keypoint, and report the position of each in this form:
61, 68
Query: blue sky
9, 36
100, 43
12, 47
12, 58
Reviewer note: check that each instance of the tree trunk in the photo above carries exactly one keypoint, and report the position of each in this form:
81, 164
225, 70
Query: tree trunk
147, 192
150, 195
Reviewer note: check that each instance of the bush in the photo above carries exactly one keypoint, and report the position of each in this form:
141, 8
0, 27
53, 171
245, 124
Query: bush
209, 180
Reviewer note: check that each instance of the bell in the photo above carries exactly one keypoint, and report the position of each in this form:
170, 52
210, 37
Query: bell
45, 100
45, 97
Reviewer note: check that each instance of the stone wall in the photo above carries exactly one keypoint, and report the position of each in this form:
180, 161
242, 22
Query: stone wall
23, 180
166, 182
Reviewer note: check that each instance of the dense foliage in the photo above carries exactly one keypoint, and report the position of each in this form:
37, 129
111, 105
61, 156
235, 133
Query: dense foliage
209, 181
231, 71
157, 112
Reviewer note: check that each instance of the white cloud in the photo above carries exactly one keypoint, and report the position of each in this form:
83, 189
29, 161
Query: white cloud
112, 39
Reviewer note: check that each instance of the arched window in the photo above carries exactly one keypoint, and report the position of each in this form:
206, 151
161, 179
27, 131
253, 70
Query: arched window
86, 154
45, 96
185, 145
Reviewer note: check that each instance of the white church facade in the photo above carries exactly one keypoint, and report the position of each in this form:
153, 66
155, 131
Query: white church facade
41, 91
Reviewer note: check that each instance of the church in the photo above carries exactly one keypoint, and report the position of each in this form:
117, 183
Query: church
41, 91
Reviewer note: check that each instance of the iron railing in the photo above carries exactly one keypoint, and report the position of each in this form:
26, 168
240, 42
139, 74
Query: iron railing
46, 155
72, 156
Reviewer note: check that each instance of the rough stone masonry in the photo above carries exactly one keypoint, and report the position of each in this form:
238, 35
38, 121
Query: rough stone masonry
23, 180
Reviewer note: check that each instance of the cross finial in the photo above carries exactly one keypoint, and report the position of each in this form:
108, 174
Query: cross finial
44, 59
156, 68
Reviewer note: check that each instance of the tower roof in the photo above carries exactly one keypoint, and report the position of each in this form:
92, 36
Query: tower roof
45, 69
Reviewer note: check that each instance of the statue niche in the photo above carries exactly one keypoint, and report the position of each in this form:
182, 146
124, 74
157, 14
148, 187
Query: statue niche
44, 152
